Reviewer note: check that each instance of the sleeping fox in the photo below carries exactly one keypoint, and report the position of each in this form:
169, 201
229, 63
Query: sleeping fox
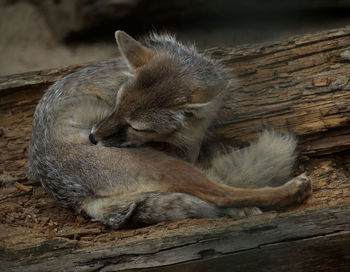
119, 141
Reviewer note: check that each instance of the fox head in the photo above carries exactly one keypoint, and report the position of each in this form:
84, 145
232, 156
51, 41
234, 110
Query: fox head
171, 95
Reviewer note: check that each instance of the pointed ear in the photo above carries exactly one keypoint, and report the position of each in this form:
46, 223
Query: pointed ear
134, 52
203, 96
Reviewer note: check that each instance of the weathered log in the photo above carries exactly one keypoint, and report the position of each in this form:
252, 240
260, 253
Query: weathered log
301, 85
301, 242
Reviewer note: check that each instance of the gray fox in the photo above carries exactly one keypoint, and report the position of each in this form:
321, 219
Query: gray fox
159, 98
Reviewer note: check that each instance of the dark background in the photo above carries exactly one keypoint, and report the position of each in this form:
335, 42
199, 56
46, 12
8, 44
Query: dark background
38, 34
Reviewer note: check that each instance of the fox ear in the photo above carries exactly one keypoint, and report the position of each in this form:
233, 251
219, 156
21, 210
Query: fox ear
203, 96
134, 52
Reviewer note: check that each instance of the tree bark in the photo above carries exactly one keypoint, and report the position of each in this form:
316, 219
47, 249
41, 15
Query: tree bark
300, 85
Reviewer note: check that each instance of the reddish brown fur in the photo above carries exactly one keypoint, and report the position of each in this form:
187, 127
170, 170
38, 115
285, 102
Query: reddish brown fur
183, 178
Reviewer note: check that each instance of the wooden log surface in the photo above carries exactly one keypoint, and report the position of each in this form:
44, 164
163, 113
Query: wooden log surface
300, 85
301, 242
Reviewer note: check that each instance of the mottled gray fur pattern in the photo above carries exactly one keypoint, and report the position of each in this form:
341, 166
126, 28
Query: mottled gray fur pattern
117, 185
60, 126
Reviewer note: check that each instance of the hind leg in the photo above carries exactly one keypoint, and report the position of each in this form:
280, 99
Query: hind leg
109, 210
154, 208
172, 183
157, 207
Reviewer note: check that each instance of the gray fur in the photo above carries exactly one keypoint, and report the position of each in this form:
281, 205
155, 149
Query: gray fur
177, 206
267, 162
117, 185
199, 66
173, 206
61, 124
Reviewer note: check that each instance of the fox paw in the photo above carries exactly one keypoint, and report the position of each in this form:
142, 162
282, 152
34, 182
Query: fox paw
299, 189
249, 211
238, 213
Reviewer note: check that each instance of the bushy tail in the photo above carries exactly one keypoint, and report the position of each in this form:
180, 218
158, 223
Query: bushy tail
267, 162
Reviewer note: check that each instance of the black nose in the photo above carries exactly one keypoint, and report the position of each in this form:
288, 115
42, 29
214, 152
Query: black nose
92, 138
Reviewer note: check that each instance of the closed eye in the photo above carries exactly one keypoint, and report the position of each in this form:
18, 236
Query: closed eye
188, 114
143, 130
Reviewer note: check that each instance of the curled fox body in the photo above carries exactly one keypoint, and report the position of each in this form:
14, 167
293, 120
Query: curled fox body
159, 93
